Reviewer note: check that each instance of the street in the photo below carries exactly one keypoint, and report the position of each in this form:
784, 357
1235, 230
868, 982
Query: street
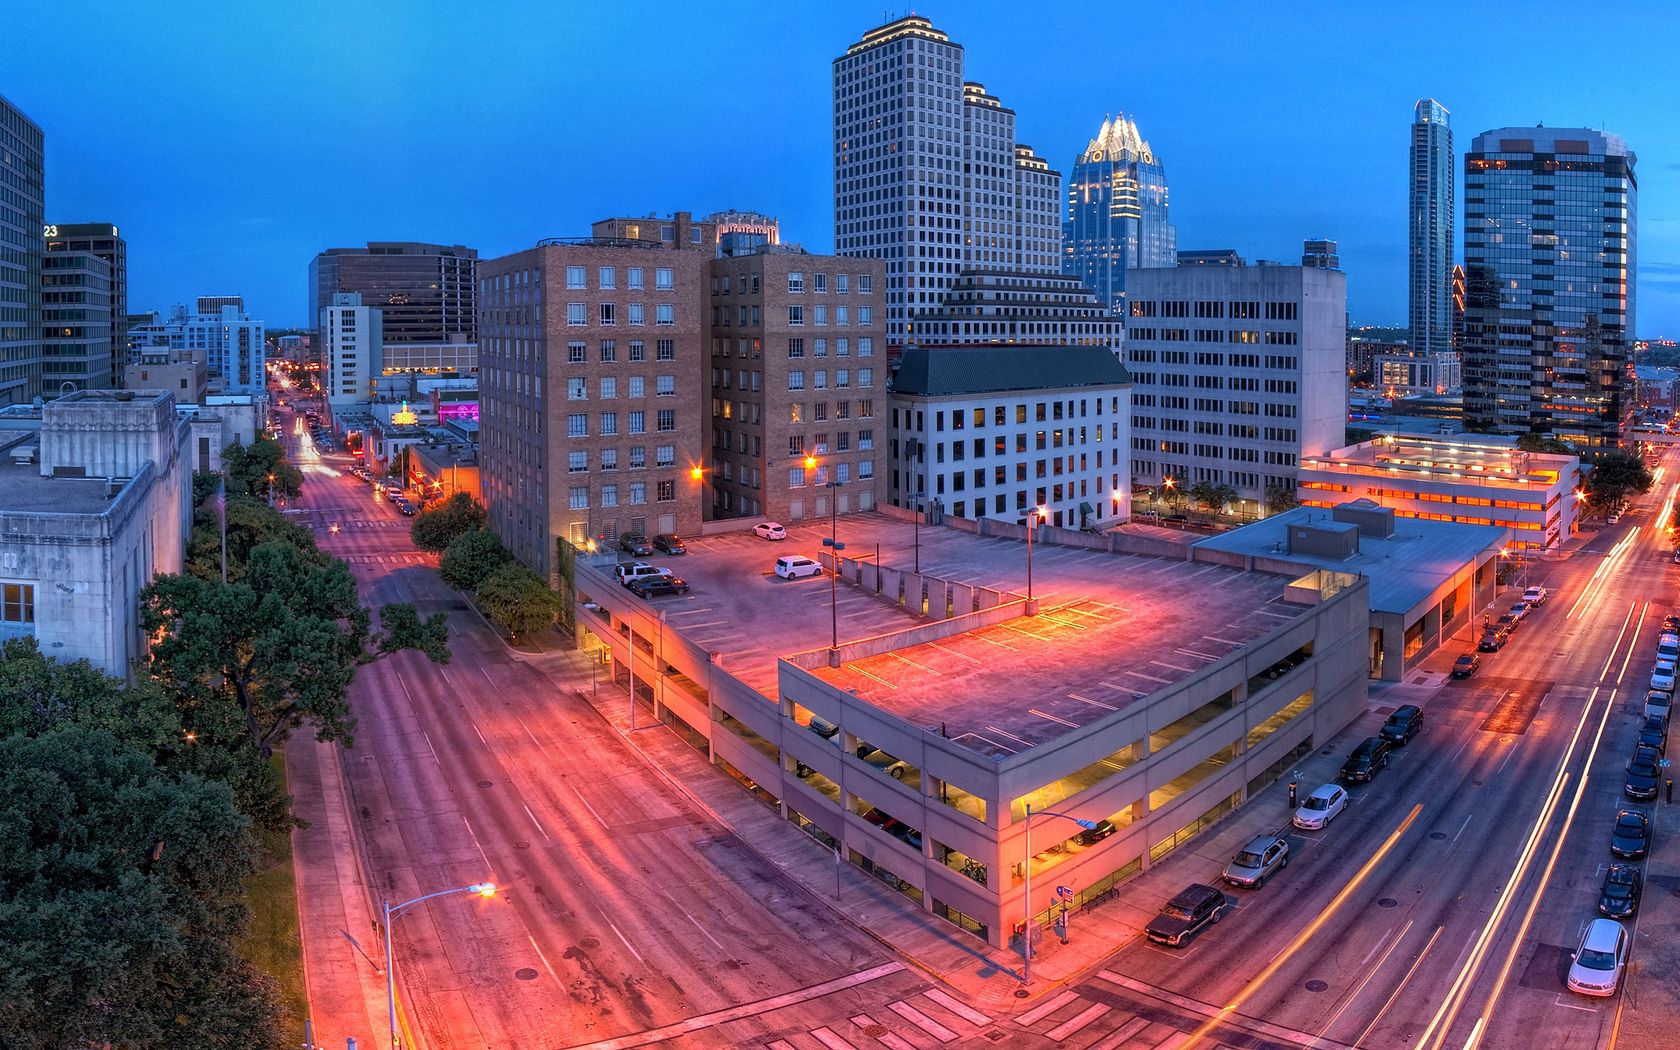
1439, 911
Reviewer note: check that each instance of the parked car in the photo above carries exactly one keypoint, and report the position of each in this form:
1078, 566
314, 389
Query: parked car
1535, 595
1195, 908
1318, 809
1658, 704
795, 566
1662, 678
1671, 623
670, 543
1369, 758
1654, 733
1614, 519
1643, 774
1092, 836
1596, 966
635, 543
1405, 723
1466, 665
1258, 861
1493, 640
892, 767
654, 586
770, 530
1507, 623
1668, 647
404, 507
1519, 610
1631, 836
824, 728
629, 572
1619, 896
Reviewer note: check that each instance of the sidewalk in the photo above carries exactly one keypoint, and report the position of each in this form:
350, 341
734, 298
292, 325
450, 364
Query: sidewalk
984, 977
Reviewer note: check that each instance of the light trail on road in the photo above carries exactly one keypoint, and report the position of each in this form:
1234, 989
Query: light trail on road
1305, 935
1605, 570
1435, 1035
1486, 1018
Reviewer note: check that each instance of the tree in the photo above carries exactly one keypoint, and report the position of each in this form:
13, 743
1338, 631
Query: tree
1614, 475
1537, 442
517, 600
1213, 497
281, 645
471, 558
120, 890
249, 523
1280, 498
437, 527
258, 469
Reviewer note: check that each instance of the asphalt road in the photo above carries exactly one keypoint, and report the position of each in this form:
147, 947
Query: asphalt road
1438, 911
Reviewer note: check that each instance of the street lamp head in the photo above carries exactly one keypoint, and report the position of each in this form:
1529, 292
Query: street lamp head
483, 889
810, 462
1041, 512
695, 473
1088, 825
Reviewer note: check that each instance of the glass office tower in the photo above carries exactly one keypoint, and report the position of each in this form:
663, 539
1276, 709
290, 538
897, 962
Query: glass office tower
1116, 212
1549, 256
1431, 305
428, 293
21, 247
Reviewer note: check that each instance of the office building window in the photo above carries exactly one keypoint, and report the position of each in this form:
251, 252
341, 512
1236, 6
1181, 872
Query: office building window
636, 313
638, 422
608, 276
820, 314
666, 491
796, 282
17, 603
666, 386
609, 495
866, 315
577, 425
609, 423
842, 283
666, 350
796, 347
609, 351
664, 278
577, 277
638, 493
577, 314
796, 477
664, 455
577, 462
609, 388
637, 350
796, 380
609, 459
577, 389
636, 383
638, 457
796, 316
633, 278
866, 285
819, 282
665, 313
609, 313
578, 497
666, 420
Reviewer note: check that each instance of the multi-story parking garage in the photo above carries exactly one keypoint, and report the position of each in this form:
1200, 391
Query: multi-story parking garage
1156, 690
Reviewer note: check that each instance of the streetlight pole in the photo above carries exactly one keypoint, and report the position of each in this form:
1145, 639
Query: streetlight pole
483, 889
1027, 929
1033, 517
918, 521
834, 544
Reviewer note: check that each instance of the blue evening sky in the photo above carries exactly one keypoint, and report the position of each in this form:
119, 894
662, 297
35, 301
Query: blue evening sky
232, 141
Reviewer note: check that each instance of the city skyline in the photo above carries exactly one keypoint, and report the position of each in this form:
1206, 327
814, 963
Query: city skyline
1316, 156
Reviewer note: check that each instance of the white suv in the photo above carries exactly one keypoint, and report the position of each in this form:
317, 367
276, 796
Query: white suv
630, 571
795, 566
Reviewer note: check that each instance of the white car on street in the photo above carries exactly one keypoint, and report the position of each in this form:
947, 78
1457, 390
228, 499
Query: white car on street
1596, 967
770, 530
1535, 596
1662, 677
1321, 807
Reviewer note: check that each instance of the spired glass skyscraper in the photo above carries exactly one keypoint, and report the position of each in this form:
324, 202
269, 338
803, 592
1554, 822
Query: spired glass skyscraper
1549, 259
1116, 212
1431, 305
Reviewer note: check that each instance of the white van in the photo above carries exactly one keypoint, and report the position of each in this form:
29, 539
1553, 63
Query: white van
794, 566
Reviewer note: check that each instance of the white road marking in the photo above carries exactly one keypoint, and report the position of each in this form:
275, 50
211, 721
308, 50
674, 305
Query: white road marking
1176, 667
1195, 653
1045, 1009
828, 1038
481, 739
1077, 1022
1012, 736
913, 663
475, 840
1251, 1024
953, 652
430, 748
1148, 677
1466, 824
538, 823
532, 735
1093, 703
1125, 1033
1051, 717
703, 931
590, 808
626, 940
956, 1006
1399, 987
866, 1022
922, 1021
1226, 641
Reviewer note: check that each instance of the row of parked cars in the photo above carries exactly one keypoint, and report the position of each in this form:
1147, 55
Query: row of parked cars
1597, 965
1199, 905
1497, 633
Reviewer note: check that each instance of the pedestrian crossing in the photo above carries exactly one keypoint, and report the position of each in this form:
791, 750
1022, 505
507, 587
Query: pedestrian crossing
932, 1018
385, 559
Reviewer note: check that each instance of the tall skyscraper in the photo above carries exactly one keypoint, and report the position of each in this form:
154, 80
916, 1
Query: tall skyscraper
22, 217
1431, 304
927, 172
101, 239
427, 293
1116, 212
1549, 258
75, 322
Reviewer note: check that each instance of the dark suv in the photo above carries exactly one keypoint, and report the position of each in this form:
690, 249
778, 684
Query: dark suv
651, 586
1366, 759
670, 543
1195, 908
1405, 723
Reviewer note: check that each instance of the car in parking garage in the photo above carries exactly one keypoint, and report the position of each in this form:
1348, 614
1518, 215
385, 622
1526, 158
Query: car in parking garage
654, 586
770, 530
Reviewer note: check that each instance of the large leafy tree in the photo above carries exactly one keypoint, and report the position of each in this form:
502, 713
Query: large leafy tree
471, 559
1280, 498
1615, 475
120, 889
249, 522
279, 647
436, 528
517, 600
1536, 442
259, 469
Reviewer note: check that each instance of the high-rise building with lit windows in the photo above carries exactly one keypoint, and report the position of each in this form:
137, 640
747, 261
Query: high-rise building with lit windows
928, 174
1430, 312
22, 206
1549, 259
1116, 212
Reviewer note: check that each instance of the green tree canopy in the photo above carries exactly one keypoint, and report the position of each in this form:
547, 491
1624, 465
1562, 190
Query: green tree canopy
120, 888
249, 522
1280, 498
436, 528
1535, 442
471, 558
1615, 475
517, 600
281, 645
248, 469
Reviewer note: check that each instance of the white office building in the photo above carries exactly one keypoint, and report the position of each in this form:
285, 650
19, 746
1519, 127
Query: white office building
353, 342
1237, 372
928, 174
1010, 308
994, 432
1418, 372
233, 345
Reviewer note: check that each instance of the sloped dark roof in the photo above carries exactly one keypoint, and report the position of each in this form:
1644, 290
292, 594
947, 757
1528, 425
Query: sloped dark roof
945, 371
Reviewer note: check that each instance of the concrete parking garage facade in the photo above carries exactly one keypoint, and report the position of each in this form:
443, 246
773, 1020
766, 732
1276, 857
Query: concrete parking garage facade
1112, 705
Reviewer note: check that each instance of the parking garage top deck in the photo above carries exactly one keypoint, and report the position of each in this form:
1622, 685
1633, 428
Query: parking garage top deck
1111, 629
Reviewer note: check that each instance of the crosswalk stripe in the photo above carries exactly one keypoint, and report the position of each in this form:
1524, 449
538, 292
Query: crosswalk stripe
893, 1042
828, 1038
1045, 1009
963, 1011
1074, 1024
1123, 1034
922, 1021
782, 1044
